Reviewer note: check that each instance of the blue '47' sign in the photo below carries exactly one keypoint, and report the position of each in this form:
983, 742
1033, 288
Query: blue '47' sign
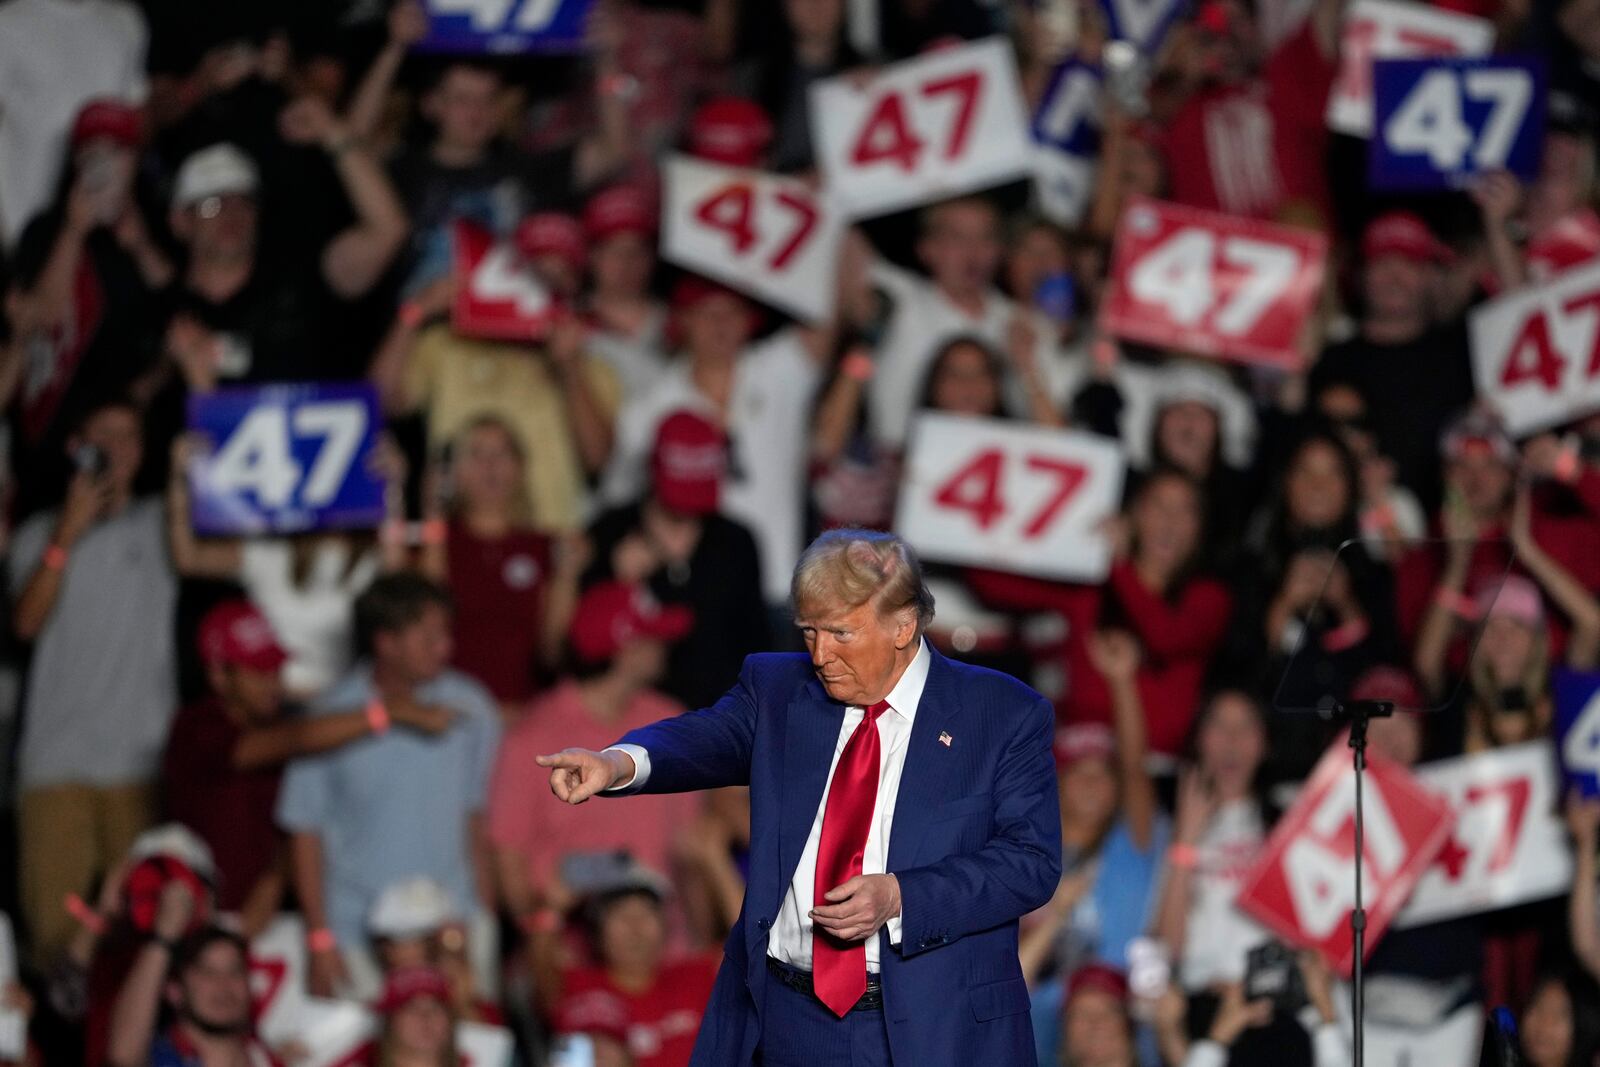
502, 26
1439, 123
1066, 130
284, 458
1577, 696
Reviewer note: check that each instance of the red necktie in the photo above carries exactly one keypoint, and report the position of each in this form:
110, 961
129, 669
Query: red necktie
839, 968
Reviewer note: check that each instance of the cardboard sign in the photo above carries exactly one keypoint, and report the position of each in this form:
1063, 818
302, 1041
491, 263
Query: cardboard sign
284, 458
505, 26
498, 297
1394, 29
1443, 122
1577, 699
1508, 845
1066, 134
1213, 284
1303, 886
1536, 351
773, 238
926, 129
1142, 23
1009, 496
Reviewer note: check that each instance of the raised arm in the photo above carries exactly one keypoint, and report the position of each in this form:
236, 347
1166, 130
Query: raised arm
1116, 656
408, 24
1016, 872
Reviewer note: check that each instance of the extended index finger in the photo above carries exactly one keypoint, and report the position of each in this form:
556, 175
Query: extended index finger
559, 759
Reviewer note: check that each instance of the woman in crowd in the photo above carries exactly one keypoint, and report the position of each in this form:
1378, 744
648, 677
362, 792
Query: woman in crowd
419, 1024
1561, 1025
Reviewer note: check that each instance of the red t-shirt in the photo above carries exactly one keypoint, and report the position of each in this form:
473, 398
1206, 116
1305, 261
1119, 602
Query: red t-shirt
499, 588
659, 1024
231, 810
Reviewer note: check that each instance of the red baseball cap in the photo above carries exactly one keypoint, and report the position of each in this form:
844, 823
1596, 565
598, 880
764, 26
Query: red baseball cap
1082, 740
235, 633
619, 209
550, 233
730, 130
1098, 977
1402, 233
688, 463
612, 614
1394, 684
691, 290
406, 984
115, 120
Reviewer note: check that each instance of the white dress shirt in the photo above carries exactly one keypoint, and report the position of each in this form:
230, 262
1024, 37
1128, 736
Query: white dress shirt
791, 933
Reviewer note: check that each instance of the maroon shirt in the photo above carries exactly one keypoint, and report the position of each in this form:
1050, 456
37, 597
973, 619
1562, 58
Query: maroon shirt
499, 588
230, 810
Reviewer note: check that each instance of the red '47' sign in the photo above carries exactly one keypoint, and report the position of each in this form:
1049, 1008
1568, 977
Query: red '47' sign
1303, 886
944, 123
497, 295
1213, 284
1536, 351
773, 238
993, 493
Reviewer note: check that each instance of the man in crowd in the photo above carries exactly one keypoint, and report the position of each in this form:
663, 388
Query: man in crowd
93, 592
398, 804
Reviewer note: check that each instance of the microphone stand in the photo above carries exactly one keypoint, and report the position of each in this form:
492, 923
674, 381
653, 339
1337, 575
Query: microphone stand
1358, 713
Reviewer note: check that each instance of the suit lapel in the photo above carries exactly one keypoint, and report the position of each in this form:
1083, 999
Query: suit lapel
810, 734
925, 778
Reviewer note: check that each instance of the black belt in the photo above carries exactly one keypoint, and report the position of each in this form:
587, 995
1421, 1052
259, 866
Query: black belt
800, 982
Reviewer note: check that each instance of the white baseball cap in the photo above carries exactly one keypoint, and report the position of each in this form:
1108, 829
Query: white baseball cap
413, 908
175, 841
218, 170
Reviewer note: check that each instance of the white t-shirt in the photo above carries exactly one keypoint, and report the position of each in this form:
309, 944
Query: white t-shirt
769, 422
921, 320
1218, 935
639, 360
56, 56
312, 619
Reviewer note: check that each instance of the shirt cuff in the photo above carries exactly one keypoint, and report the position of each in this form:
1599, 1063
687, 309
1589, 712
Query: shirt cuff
641, 767
893, 926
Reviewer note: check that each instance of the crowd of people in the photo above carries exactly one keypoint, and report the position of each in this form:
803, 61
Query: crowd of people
589, 529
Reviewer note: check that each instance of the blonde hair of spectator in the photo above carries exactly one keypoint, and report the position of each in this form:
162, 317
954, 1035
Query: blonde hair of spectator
844, 569
521, 507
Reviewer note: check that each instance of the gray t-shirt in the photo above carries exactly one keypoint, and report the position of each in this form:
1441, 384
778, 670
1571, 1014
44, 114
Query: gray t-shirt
102, 686
394, 806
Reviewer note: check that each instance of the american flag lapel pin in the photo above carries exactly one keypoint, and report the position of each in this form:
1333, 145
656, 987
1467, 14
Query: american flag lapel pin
944, 738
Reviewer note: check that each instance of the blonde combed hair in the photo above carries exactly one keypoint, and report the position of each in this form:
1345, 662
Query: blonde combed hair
844, 569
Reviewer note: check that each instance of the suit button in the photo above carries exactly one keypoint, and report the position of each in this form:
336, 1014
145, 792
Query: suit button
765, 924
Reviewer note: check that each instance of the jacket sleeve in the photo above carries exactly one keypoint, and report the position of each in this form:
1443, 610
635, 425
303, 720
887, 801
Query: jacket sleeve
705, 749
1015, 873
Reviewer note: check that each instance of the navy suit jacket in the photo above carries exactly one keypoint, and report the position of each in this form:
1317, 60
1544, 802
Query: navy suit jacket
975, 844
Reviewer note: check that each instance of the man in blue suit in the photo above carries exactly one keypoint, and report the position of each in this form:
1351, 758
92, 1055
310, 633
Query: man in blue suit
903, 816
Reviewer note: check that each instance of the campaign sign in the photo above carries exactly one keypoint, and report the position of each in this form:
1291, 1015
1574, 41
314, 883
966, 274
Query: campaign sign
1303, 885
1009, 496
1577, 698
1142, 23
1394, 29
498, 297
1213, 284
1066, 134
1536, 351
284, 458
1508, 845
774, 238
505, 26
947, 122
1440, 123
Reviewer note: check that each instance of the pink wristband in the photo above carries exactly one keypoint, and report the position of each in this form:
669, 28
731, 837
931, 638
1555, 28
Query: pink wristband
87, 917
377, 718
1182, 856
55, 558
321, 940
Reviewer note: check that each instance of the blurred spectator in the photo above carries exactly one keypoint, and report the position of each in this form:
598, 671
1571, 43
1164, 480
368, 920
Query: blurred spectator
204, 979
93, 592
673, 540
806, 44
1220, 825
1254, 1033
413, 924
560, 400
419, 1021
760, 394
1561, 1024
619, 641
628, 325
632, 987
55, 57
1414, 374
1390, 515
1555, 213
510, 613
83, 307
225, 756
399, 804
1096, 1030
